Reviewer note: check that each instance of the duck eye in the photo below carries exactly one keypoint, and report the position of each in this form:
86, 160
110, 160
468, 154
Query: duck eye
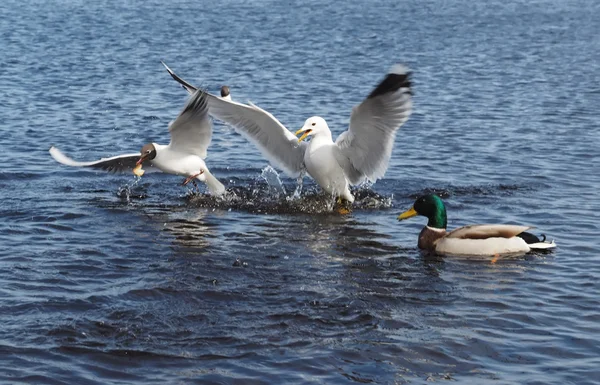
314, 124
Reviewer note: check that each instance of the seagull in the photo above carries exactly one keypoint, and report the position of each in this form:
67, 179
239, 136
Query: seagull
190, 137
225, 93
358, 154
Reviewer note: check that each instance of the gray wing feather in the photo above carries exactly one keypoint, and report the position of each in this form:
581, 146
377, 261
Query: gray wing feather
272, 138
191, 132
274, 141
354, 176
119, 163
368, 143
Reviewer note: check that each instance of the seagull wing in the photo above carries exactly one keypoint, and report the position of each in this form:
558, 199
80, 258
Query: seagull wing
191, 132
188, 87
119, 163
365, 149
274, 141
272, 138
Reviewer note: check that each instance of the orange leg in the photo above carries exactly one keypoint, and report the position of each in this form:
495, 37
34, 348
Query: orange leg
191, 178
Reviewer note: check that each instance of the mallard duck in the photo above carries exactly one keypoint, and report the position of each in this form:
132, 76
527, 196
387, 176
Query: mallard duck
473, 240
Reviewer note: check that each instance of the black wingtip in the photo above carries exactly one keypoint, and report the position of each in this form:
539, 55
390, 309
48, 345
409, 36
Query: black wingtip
198, 102
398, 77
190, 88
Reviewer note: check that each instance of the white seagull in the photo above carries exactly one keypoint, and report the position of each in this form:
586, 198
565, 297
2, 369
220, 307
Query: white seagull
190, 133
358, 154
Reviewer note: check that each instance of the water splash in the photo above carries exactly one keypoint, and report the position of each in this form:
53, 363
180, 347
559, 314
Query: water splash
298, 190
128, 192
259, 198
271, 176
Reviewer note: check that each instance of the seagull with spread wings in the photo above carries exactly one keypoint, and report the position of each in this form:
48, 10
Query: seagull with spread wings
358, 154
191, 135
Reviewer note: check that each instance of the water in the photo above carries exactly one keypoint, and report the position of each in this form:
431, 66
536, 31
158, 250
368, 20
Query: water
105, 279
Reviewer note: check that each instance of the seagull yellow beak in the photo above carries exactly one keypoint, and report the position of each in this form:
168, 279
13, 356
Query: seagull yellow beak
408, 214
306, 133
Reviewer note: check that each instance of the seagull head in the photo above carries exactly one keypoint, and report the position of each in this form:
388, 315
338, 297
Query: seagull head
313, 126
225, 93
148, 152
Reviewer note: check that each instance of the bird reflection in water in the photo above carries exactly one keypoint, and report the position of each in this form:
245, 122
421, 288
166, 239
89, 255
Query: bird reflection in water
191, 231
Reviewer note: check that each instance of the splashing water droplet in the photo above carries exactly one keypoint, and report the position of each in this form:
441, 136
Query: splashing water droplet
260, 197
126, 192
298, 190
271, 176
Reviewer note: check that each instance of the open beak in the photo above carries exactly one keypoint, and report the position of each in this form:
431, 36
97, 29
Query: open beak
306, 133
141, 160
408, 214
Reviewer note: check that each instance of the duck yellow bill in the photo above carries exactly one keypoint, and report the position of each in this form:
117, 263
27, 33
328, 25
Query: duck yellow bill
408, 214
300, 139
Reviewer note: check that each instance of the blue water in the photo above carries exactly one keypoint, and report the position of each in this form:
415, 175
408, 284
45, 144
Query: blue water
107, 280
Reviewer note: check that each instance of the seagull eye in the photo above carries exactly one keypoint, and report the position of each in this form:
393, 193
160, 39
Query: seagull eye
314, 124
148, 151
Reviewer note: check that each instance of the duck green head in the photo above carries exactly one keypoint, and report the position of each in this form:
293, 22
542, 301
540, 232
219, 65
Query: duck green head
430, 206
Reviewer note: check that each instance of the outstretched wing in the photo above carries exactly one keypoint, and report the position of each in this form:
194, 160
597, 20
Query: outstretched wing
119, 163
275, 142
187, 86
191, 132
367, 145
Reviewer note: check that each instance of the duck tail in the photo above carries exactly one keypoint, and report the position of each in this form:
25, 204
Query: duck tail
537, 243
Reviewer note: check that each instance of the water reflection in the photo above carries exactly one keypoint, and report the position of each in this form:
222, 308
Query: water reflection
190, 230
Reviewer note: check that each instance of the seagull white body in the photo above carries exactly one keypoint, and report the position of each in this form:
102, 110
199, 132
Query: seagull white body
360, 153
191, 135
321, 164
170, 160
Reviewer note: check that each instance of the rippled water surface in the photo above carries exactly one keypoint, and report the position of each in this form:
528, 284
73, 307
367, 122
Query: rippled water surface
105, 279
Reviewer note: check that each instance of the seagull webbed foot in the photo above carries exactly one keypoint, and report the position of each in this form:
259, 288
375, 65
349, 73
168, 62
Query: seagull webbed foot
344, 207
